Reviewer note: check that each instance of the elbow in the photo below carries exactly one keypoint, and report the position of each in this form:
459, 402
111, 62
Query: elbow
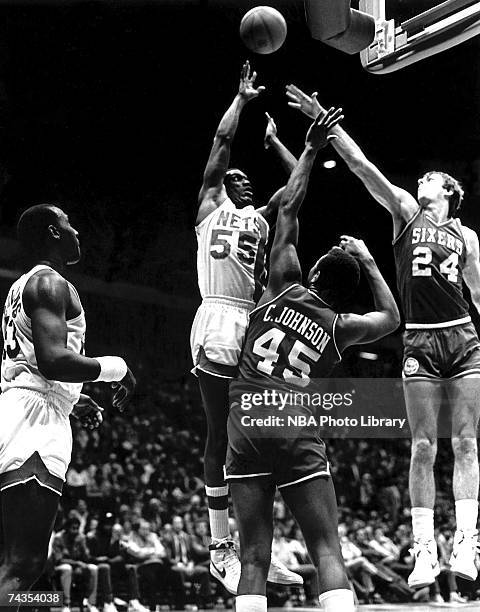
356, 163
47, 369
48, 366
223, 135
475, 296
394, 319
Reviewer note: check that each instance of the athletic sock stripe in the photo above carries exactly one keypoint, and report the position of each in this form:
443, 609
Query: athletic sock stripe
216, 491
217, 503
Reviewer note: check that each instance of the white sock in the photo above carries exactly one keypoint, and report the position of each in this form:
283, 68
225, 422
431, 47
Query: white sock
217, 499
422, 524
251, 603
336, 600
466, 514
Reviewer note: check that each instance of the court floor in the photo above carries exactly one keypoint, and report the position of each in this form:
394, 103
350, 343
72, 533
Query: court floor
413, 607
474, 605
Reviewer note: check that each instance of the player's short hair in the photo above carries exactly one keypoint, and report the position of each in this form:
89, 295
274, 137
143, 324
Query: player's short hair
32, 226
337, 274
229, 174
450, 183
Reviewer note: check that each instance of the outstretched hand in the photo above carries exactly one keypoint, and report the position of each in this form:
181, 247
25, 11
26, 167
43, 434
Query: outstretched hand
270, 132
309, 105
246, 89
318, 136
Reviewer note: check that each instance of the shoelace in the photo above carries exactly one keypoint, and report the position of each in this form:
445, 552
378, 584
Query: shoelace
474, 541
230, 558
418, 548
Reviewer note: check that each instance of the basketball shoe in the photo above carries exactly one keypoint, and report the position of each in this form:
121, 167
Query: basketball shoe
426, 564
465, 548
225, 564
280, 574
226, 568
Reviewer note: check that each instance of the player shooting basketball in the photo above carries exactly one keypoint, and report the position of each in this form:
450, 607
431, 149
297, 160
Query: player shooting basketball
232, 234
433, 253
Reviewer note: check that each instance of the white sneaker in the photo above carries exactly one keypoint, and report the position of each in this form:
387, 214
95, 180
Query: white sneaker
109, 607
462, 561
457, 598
225, 564
66, 609
426, 567
135, 606
437, 599
120, 602
280, 574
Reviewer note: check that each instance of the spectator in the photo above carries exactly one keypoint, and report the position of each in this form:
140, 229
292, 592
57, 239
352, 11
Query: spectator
384, 546
445, 546
200, 542
105, 546
71, 561
81, 512
144, 547
295, 557
360, 570
182, 556
77, 478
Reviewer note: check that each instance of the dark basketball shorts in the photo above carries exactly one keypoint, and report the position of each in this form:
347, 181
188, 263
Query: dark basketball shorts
33, 469
287, 456
441, 353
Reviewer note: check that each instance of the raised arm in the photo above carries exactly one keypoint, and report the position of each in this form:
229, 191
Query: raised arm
401, 204
471, 271
284, 265
288, 162
212, 192
273, 142
360, 329
47, 301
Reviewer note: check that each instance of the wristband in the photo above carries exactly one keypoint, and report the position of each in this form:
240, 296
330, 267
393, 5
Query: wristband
112, 369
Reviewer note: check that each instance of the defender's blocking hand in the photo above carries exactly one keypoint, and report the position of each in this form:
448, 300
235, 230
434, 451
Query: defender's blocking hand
317, 135
355, 247
309, 105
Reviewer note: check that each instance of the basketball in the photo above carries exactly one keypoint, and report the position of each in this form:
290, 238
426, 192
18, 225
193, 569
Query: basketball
263, 29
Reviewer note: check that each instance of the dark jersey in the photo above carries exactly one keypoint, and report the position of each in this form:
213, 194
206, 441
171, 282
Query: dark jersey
290, 339
429, 258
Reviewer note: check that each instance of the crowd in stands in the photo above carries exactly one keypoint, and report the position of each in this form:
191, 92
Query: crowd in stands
133, 527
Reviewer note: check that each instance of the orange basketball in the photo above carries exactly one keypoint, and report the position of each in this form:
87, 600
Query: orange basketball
263, 29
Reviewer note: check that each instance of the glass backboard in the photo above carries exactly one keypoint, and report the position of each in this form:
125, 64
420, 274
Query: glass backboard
408, 31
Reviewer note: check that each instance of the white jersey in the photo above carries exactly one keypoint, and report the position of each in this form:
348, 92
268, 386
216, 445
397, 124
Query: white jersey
19, 363
231, 253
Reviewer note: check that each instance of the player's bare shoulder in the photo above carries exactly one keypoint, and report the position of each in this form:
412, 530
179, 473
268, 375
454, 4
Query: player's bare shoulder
407, 205
47, 288
209, 200
471, 240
